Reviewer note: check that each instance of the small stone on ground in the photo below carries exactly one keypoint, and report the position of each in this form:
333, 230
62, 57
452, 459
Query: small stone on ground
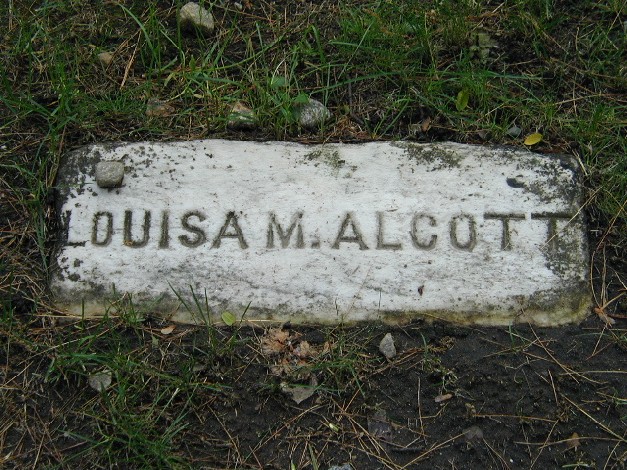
100, 381
241, 117
387, 347
312, 114
109, 174
514, 131
193, 17
105, 58
473, 434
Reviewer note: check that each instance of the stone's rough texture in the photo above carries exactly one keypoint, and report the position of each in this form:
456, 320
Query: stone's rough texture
241, 117
387, 347
193, 17
109, 174
311, 114
324, 233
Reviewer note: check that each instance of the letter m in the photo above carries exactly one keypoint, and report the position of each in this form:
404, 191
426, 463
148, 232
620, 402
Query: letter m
284, 236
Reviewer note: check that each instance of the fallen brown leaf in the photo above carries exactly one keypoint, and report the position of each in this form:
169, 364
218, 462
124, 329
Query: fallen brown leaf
274, 341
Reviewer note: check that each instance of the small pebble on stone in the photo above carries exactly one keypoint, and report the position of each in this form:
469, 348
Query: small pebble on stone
387, 347
312, 114
193, 17
105, 58
241, 117
109, 174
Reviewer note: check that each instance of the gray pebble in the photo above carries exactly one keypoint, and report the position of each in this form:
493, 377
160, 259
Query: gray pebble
387, 347
100, 381
312, 114
514, 131
345, 466
193, 17
109, 174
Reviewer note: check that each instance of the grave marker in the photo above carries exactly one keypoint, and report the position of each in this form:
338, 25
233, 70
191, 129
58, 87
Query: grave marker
324, 233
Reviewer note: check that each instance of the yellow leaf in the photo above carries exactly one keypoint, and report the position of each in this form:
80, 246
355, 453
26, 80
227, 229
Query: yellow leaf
533, 139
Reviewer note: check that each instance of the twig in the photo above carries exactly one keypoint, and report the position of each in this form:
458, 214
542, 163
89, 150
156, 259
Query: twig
598, 423
432, 449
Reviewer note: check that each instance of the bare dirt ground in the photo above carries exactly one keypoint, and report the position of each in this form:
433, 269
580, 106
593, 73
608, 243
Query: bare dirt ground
453, 397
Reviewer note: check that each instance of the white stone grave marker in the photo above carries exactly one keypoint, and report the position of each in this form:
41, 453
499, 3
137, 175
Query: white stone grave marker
324, 233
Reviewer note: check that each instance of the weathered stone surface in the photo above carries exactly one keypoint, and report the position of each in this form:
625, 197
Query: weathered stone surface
323, 233
109, 174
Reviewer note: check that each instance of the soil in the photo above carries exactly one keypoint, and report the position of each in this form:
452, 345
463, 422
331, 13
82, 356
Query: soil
453, 397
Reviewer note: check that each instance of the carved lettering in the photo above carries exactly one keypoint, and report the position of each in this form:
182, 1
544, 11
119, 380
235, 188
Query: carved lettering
231, 221
357, 237
382, 245
471, 236
551, 218
419, 243
95, 240
66, 223
286, 236
128, 230
164, 239
506, 242
199, 234
423, 230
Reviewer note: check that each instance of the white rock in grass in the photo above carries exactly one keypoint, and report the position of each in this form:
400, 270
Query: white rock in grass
241, 117
100, 381
194, 17
387, 347
312, 114
109, 174
345, 466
